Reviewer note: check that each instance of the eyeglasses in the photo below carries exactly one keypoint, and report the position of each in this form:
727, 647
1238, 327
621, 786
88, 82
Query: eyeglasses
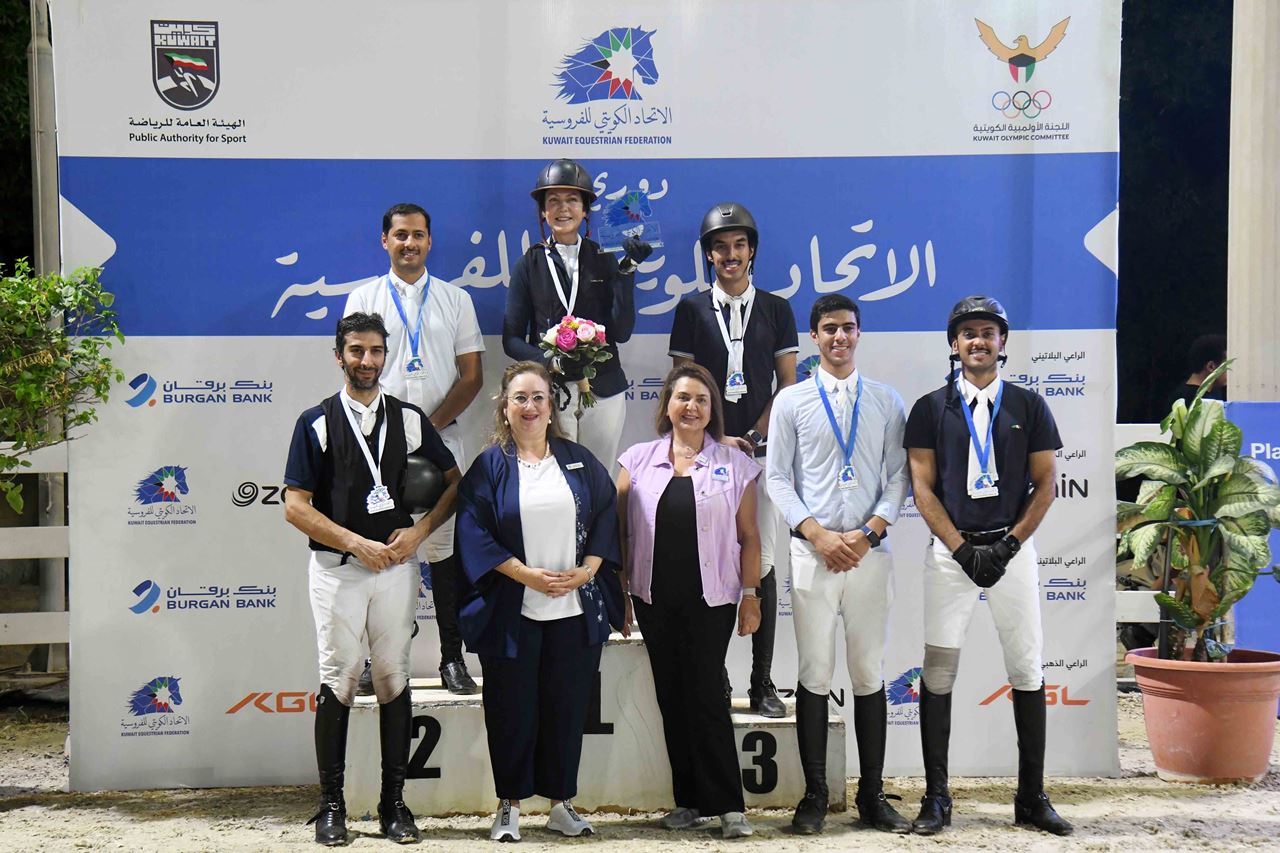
522, 400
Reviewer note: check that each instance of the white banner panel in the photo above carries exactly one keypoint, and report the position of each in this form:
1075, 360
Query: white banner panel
228, 164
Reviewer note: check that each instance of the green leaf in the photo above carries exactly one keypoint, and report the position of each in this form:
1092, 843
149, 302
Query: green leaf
1225, 439
1242, 493
1173, 422
1224, 464
1162, 504
1123, 547
1246, 553
1147, 490
1207, 384
1200, 423
1253, 524
12, 494
1181, 612
1143, 541
1153, 459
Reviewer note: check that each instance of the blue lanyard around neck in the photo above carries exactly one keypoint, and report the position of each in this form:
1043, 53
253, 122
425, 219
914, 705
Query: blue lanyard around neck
983, 451
415, 334
846, 447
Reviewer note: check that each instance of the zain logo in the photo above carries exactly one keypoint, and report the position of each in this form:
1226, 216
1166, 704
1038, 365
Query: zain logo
905, 689
148, 593
145, 387
162, 485
157, 696
608, 67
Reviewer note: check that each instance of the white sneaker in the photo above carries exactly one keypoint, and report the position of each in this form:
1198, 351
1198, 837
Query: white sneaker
734, 825
506, 823
681, 818
565, 820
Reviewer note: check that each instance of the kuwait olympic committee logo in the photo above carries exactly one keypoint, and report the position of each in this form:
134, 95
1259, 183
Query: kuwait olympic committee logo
1021, 58
608, 67
184, 62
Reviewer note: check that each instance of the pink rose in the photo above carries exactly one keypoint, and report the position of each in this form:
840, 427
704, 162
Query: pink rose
586, 332
567, 320
567, 339
600, 334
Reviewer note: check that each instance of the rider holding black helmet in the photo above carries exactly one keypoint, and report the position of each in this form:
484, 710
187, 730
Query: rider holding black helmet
568, 274
981, 452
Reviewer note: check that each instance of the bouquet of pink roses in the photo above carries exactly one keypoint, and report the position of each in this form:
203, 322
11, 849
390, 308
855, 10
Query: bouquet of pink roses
577, 340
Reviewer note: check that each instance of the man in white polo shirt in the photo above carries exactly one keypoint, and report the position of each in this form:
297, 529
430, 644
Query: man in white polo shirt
433, 361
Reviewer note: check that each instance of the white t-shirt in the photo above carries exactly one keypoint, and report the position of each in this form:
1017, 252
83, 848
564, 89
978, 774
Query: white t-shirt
449, 329
549, 522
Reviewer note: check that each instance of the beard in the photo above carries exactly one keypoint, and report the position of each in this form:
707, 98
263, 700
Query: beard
353, 378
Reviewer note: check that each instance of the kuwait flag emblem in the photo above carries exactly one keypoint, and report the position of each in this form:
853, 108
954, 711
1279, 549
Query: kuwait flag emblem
195, 63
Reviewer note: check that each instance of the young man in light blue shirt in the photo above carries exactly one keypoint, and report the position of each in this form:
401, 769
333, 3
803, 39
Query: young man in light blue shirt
838, 473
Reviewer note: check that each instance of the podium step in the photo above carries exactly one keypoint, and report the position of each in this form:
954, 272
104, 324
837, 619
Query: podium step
624, 761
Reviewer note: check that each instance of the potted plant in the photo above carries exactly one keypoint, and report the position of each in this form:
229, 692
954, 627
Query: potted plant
1209, 707
55, 333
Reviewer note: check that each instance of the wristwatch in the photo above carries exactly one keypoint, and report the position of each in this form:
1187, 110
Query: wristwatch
874, 538
755, 437
751, 592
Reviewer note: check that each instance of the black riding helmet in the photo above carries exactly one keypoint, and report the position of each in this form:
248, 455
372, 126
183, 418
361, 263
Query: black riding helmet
563, 175
976, 308
728, 216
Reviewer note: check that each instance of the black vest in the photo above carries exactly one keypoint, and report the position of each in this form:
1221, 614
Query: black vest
597, 281
346, 482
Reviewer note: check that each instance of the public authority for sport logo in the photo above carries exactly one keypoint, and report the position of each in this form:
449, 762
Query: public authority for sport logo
184, 62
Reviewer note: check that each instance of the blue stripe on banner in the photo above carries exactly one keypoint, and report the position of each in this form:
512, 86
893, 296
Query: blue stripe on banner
270, 247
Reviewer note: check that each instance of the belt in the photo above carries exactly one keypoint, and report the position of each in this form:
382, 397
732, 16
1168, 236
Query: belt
984, 537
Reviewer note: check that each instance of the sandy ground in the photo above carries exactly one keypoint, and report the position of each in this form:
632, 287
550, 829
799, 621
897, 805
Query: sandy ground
1135, 812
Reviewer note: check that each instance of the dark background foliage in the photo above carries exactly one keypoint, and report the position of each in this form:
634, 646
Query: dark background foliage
1175, 88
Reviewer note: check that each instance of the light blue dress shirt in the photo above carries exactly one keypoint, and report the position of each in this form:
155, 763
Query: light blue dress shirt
805, 457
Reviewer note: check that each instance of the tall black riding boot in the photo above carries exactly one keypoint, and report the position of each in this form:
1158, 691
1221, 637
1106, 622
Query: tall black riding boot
762, 693
811, 732
444, 588
1031, 806
395, 724
870, 726
331, 759
935, 740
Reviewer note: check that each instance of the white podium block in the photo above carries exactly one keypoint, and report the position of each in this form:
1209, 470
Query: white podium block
624, 759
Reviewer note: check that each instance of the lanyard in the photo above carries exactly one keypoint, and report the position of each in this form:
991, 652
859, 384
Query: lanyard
572, 299
847, 449
360, 440
415, 334
983, 452
724, 330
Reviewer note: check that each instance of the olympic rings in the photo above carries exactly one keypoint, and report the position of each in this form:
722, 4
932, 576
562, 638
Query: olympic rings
1022, 103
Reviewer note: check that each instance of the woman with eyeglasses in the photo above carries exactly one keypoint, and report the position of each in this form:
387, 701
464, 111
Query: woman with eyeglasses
692, 557
537, 539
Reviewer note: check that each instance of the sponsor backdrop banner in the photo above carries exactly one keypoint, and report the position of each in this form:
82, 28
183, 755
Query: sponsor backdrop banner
228, 165
1256, 625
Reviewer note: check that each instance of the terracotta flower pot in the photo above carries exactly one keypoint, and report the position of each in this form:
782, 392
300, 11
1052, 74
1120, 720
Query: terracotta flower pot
1209, 722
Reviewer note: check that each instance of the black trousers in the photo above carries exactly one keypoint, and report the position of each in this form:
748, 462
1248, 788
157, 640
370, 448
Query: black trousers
535, 709
687, 643
444, 589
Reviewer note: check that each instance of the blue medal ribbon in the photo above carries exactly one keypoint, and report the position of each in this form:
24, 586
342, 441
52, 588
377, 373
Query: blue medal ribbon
845, 447
415, 334
983, 452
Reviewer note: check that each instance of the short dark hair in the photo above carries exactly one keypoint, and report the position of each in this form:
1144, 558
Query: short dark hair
405, 208
830, 304
358, 322
1205, 349
689, 370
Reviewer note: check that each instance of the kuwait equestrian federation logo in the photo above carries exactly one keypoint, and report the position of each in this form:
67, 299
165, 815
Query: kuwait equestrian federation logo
152, 710
903, 695
184, 62
158, 498
609, 67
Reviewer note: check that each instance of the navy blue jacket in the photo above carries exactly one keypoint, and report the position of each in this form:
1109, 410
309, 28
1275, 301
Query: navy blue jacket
489, 532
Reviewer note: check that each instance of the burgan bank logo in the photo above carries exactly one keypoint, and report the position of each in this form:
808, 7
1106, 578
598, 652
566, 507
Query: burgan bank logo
607, 76
147, 391
144, 387
184, 62
148, 595
1024, 102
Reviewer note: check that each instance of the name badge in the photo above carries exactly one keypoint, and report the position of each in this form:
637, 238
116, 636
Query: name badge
701, 459
573, 466
847, 478
379, 500
414, 369
984, 487
721, 473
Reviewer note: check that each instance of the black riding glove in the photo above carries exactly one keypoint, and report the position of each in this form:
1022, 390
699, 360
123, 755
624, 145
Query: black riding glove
1004, 550
979, 564
636, 251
